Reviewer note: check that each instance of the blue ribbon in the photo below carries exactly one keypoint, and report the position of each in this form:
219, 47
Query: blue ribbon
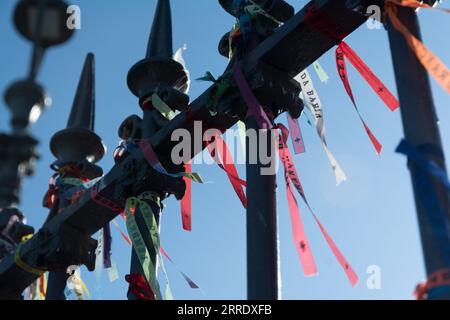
436, 215
425, 164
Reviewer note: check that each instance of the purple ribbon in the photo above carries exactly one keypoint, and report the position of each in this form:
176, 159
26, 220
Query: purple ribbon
255, 108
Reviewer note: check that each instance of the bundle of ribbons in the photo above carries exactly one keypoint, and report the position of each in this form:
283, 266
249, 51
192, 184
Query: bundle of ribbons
146, 286
343, 52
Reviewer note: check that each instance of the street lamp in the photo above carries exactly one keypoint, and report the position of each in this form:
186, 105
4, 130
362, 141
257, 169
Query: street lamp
43, 22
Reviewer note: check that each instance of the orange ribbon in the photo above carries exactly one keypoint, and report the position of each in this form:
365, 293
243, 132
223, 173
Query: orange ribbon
431, 63
436, 279
415, 5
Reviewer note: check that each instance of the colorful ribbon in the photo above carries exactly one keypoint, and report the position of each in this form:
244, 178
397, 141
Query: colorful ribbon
323, 76
242, 137
296, 135
124, 236
24, 266
107, 246
137, 240
186, 202
178, 57
255, 10
299, 235
300, 239
415, 4
314, 104
431, 63
218, 146
437, 279
152, 159
425, 164
255, 108
113, 273
139, 287
168, 292
220, 87
436, 215
377, 85
160, 105
76, 289
342, 69
189, 281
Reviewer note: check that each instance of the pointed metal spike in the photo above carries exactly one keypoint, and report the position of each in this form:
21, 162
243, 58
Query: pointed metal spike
78, 142
83, 108
160, 41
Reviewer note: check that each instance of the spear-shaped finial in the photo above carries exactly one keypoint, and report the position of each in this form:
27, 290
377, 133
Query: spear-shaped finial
82, 114
158, 68
160, 40
78, 142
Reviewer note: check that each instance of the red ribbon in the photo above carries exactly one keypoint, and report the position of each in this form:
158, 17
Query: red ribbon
50, 196
377, 85
342, 69
105, 202
218, 144
298, 231
301, 242
186, 202
139, 287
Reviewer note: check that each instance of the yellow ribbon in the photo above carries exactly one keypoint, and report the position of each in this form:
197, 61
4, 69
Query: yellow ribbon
21, 264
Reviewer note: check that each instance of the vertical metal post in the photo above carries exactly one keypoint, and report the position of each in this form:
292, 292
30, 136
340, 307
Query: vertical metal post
420, 125
262, 242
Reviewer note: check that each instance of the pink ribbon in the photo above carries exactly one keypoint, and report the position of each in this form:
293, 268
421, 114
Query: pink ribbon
299, 234
296, 135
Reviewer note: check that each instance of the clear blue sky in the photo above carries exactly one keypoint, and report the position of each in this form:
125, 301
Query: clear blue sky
371, 216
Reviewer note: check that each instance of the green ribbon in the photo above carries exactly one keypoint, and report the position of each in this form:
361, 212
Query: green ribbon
72, 181
169, 295
152, 226
150, 222
242, 136
221, 86
323, 76
162, 107
253, 10
139, 245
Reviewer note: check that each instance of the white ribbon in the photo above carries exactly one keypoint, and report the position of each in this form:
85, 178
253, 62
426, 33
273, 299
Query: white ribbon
178, 57
312, 101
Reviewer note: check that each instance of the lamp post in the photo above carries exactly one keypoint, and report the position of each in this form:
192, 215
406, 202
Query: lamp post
43, 22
